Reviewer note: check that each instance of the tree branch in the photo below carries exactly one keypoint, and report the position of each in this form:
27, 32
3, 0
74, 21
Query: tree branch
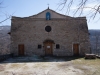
6, 19
81, 6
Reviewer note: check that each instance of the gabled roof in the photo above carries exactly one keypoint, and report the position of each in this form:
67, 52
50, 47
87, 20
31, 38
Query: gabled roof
52, 12
53, 15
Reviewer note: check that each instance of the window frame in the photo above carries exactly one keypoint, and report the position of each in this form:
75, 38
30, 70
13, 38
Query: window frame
39, 46
48, 14
57, 46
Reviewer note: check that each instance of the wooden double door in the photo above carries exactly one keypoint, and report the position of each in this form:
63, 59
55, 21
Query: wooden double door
76, 49
48, 48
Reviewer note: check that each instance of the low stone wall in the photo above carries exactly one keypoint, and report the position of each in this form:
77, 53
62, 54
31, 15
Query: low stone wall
4, 57
90, 56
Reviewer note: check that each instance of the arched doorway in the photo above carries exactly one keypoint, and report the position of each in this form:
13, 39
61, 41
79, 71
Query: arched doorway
48, 47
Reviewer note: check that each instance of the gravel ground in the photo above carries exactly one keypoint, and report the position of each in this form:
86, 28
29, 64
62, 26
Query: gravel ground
50, 66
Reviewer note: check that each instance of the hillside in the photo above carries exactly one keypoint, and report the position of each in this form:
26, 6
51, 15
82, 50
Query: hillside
95, 40
4, 40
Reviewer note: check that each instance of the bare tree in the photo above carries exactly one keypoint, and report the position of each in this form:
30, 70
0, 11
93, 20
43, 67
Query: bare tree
7, 16
81, 5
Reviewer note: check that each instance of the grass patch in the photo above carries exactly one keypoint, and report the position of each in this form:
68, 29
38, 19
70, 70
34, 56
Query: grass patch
89, 66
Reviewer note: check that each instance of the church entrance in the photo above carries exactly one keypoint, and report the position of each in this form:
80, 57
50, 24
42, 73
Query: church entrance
76, 49
48, 47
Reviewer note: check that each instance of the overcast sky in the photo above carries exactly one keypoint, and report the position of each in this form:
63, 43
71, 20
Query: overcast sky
25, 8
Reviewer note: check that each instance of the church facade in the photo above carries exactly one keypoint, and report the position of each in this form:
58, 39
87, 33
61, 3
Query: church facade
49, 33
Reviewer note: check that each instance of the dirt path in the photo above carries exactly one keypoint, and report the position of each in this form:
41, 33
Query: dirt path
74, 67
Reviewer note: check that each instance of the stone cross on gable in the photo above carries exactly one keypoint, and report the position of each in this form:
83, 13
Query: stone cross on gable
48, 5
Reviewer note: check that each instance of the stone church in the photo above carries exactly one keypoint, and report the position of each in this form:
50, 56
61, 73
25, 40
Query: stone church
49, 33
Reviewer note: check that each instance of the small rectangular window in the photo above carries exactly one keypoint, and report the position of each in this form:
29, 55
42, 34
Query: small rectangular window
39, 46
57, 46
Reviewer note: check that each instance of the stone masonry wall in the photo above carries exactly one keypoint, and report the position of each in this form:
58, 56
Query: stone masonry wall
31, 32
